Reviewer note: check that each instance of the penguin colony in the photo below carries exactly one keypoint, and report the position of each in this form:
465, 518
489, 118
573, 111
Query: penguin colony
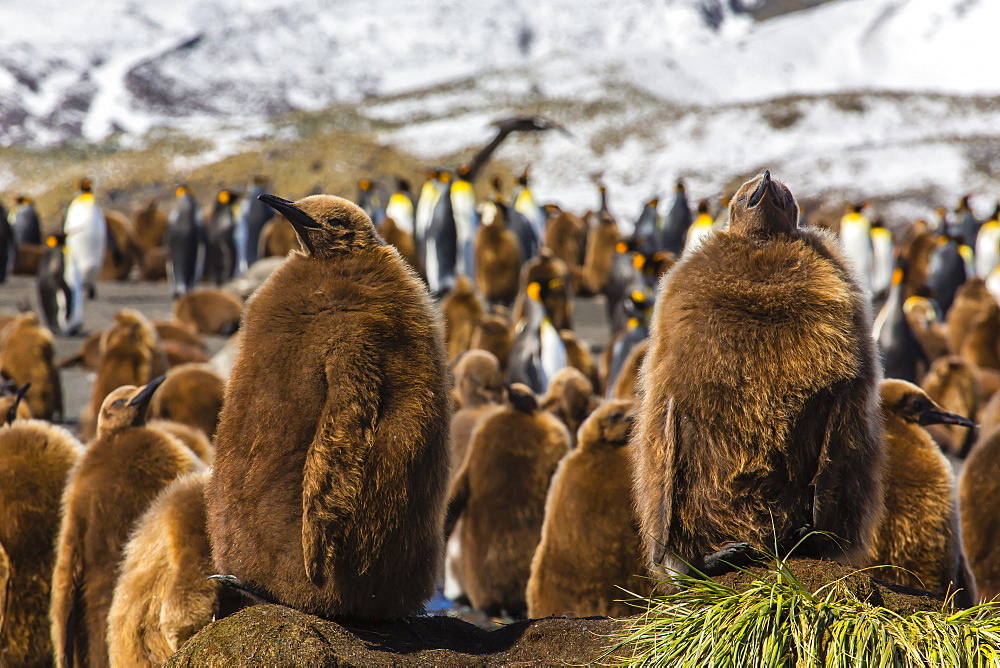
338, 385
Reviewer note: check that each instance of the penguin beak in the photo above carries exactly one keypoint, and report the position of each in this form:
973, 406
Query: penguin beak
764, 187
141, 400
935, 416
12, 413
288, 209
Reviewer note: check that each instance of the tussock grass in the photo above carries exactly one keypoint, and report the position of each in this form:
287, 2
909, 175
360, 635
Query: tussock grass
776, 621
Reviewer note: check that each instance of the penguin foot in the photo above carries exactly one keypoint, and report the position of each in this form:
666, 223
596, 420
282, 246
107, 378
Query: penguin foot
731, 557
234, 595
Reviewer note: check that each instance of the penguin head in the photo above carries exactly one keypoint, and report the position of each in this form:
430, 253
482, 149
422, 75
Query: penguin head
23, 199
463, 171
638, 306
909, 402
85, 185
327, 225
497, 184
702, 206
763, 208
521, 398
478, 379
224, 197
126, 407
364, 185
609, 424
523, 178
573, 391
402, 185
55, 240
10, 401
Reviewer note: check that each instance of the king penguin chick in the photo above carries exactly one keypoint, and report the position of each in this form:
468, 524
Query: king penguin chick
513, 454
60, 288
35, 461
186, 240
538, 351
192, 394
978, 495
591, 554
209, 311
163, 595
11, 397
86, 236
626, 385
27, 355
971, 300
493, 335
462, 311
602, 242
498, 257
331, 465
570, 398
919, 541
402, 241
724, 468
120, 473
952, 384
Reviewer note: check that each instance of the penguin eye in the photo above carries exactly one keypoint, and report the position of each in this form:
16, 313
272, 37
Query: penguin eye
742, 199
118, 403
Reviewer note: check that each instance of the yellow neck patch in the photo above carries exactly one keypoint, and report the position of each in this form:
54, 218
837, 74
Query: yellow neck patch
535, 291
897, 276
638, 261
621, 247
85, 198
633, 323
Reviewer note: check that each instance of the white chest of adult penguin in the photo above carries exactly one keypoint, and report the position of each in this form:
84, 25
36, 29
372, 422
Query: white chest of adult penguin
86, 236
328, 488
758, 422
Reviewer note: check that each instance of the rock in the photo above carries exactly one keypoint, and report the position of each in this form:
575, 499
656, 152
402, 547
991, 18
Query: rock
274, 635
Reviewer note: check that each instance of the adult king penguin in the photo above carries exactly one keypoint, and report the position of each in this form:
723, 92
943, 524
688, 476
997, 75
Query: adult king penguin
538, 352
86, 235
328, 488
988, 245
856, 242
60, 289
254, 215
24, 220
400, 207
758, 423
186, 240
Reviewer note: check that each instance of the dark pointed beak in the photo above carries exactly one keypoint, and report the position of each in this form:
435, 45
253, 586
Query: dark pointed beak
764, 187
935, 416
142, 399
12, 413
288, 209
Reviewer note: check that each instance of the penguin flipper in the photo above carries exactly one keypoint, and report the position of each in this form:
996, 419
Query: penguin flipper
5, 582
67, 592
334, 470
658, 431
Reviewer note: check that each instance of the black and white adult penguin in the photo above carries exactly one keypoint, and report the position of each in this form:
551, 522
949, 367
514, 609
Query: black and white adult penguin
856, 242
186, 241
254, 215
638, 308
702, 227
624, 278
948, 270
424, 213
538, 352
966, 224
463, 207
86, 235
60, 288
400, 207
8, 248
883, 260
647, 226
368, 201
676, 223
24, 219
525, 205
518, 224
220, 244
441, 242
902, 355
988, 245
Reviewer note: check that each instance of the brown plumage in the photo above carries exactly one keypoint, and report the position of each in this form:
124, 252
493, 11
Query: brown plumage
578, 356
932, 334
971, 301
498, 257
951, 383
331, 458
181, 344
916, 248
122, 250
150, 224
277, 239
27, 356
120, 473
479, 384
570, 398
552, 275
758, 411
978, 495
130, 323
191, 394
462, 310
35, 460
626, 385
499, 494
981, 344
566, 235
493, 335
11, 398
163, 596
402, 241
209, 311
918, 537
192, 437
601, 242
591, 549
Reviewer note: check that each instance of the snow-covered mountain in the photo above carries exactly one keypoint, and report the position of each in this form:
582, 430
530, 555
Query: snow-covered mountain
876, 97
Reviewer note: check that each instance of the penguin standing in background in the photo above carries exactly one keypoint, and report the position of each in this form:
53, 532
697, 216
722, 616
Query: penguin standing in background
947, 270
624, 278
441, 242
186, 241
638, 309
498, 257
519, 225
676, 223
602, 242
538, 351
702, 227
883, 260
367, 200
902, 355
60, 288
423, 215
8, 248
967, 225
254, 215
856, 242
988, 245
647, 226
86, 236
24, 220
220, 246
463, 206
526, 206
400, 207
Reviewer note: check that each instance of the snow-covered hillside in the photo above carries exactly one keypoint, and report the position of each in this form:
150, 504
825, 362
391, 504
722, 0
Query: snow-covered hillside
875, 97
